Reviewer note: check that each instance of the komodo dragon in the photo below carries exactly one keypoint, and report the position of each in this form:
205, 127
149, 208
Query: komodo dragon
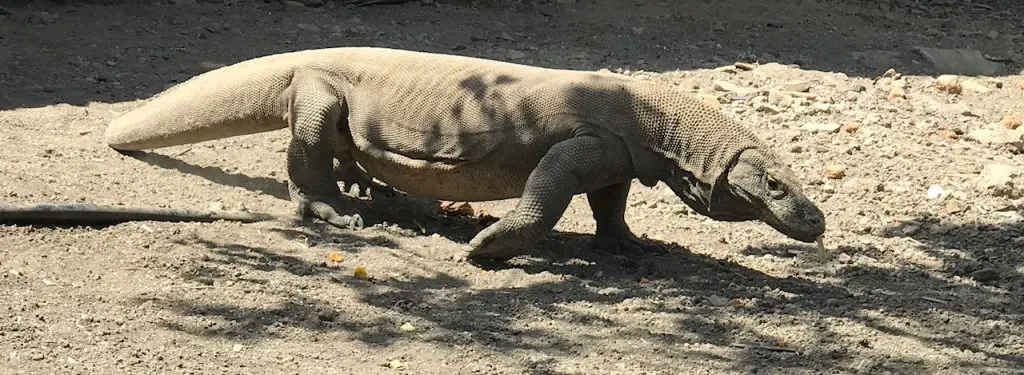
468, 129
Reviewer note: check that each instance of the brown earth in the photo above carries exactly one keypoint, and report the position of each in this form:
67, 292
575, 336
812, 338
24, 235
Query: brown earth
912, 285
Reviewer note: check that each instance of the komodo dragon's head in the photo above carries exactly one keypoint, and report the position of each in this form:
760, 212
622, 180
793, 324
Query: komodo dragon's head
754, 187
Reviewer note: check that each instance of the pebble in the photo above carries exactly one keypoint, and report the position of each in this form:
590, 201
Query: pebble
733, 88
835, 172
819, 127
1010, 122
798, 86
985, 275
998, 180
978, 87
949, 83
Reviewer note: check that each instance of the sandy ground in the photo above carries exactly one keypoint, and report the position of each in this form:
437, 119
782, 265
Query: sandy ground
913, 284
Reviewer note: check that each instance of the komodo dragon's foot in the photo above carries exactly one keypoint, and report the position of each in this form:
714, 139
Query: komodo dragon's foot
619, 242
503, 240
323, 208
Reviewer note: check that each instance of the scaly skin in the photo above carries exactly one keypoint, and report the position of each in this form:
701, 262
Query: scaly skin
466, 129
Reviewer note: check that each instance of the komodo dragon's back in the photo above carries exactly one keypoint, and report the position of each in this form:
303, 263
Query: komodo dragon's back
409, 88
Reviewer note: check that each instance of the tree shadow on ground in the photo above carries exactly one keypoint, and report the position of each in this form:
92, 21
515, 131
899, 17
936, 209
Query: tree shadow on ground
992, 253
683, 300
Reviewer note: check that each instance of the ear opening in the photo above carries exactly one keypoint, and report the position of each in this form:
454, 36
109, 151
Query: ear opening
721, 182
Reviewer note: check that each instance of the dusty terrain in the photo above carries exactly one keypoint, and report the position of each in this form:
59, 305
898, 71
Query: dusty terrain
914, 283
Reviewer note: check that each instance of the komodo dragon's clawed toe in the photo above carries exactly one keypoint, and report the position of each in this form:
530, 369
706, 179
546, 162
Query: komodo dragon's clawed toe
360, 184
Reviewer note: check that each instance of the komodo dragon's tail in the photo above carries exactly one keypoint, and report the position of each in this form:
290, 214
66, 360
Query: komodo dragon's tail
238, 99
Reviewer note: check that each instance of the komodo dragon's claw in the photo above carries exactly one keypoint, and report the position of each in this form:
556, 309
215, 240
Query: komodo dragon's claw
326, 212
360, 184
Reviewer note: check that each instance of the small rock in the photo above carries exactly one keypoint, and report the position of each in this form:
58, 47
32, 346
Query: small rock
910, 229
897, 93
407, 327
998, 180
217, 206
935, 191
835, 172
985, 275
844, 258
998, 135
798, 86
850, 128
396, 364
818, 127
975, 86
948, 83
715, 300
948, 134
821, 108
237, 348
953, 206
745, 66
992, 34
767, 108
1010, 122
733, 88
507, 36
731, 69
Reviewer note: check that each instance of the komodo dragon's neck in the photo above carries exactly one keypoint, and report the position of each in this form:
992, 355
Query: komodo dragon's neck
691, 134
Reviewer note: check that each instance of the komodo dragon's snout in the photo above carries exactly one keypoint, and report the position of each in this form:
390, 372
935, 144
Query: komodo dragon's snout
755, 187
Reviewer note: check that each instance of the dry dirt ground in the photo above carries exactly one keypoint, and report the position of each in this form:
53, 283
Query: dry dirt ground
913, 284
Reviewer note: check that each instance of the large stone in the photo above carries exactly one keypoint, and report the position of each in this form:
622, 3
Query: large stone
1001, 180
997, 135
959, 61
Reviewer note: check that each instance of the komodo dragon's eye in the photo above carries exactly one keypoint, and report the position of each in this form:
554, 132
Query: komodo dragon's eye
775, 188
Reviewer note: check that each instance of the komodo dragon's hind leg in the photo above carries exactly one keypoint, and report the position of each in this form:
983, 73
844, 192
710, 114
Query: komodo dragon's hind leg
609, 207
579, 164
314, 114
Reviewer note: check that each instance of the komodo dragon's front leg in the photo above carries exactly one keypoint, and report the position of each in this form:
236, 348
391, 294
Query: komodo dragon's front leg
314, 112
594, 162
